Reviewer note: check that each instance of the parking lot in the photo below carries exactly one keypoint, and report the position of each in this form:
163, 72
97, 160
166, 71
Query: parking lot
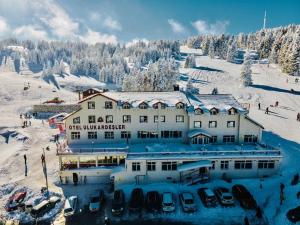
212, 215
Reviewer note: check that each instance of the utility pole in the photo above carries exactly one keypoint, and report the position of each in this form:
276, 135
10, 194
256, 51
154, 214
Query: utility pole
265, 20
43, 158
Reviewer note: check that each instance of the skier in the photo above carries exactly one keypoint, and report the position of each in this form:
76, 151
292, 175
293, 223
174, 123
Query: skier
267, 110
276, 104
259, 106
282, 187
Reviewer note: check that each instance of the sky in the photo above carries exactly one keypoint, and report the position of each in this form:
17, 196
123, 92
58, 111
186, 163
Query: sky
125, 21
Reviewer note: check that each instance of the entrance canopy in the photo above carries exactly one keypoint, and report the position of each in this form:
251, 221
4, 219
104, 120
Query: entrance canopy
197, 132
194, 165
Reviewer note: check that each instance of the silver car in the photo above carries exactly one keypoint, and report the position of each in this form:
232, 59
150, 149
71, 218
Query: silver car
168, 202
187, 202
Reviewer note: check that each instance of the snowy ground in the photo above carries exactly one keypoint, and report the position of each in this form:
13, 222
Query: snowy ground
281, 130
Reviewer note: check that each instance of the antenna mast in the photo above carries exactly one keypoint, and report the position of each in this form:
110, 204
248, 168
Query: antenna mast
265, 20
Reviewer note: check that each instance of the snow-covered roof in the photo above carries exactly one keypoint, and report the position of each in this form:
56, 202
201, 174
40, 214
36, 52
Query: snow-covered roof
194, 165
222, 102
196, 132
136, 98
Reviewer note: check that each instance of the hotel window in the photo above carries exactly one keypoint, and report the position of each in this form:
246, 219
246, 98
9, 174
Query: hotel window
136, 166
250, 138
179, 119
143, 119
213, 111
147, 134
126, 105
228, 138
180, 105
224, 165
91, 105
212, 124
197, 124
162, 119
92, 119
76, 120
126, 118
108, 105
168, 166
109, 119
198, 111
125, 134
143, 105
109, 135
171, 134
230, 124
232, 111
75, 135
247, 164
266, 164
151, 166
92, 135
213, 139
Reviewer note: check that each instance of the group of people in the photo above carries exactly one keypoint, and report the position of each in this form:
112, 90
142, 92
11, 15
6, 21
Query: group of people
26, 122
276, 105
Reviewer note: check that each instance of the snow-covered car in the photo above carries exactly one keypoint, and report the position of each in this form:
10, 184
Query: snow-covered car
168, 202
187, 202
293, 215
96, 202
207, 197
70, 206
15, 200
43, 207
224, 196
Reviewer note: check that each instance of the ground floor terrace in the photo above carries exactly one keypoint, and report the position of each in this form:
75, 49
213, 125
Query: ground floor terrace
176, 162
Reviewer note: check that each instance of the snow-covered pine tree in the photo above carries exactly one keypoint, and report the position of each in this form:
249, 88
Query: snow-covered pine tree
231, 52
211, 48
190, 61
246, 72
293, 61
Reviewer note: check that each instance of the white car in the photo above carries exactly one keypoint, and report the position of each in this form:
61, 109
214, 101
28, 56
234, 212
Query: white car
168, 202
96, 202
224, 196
187, 202
70, 206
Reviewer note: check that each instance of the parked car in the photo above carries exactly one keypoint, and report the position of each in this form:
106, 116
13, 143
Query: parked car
70, 206
168, 202
136, 200
153, 201
43, 207
96, 202
293, 215
207, 197
245, 198
224, 196
15, 201
118, 202
187, 202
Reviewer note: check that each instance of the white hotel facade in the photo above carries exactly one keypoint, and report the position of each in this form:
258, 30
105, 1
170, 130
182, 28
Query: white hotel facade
140, 137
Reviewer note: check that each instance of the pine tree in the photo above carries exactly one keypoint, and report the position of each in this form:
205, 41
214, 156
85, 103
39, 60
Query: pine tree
231, 52
246, 72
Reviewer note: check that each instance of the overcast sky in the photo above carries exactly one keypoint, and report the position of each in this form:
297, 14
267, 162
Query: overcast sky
125, 20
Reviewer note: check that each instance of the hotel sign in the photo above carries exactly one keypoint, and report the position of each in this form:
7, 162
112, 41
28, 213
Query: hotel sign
97, 127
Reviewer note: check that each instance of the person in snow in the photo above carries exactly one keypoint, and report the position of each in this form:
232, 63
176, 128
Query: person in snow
276, 104
246, 221
281, 197
259, 106
25, 161
267, 110
298, 117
